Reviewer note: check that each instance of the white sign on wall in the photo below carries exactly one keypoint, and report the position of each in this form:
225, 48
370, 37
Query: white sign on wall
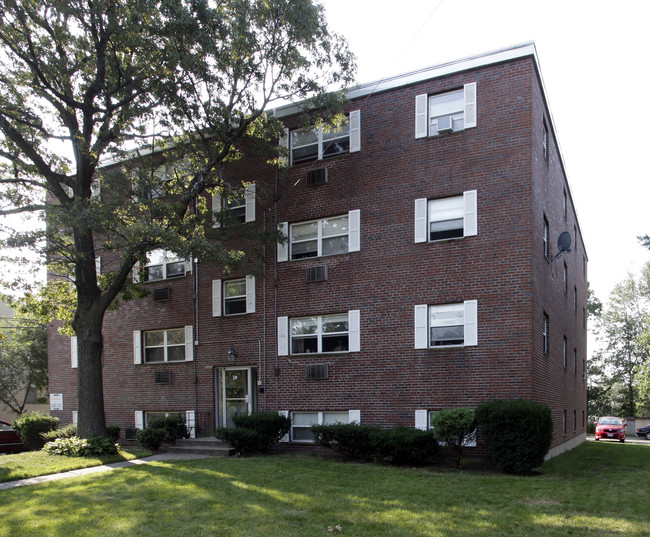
56, 401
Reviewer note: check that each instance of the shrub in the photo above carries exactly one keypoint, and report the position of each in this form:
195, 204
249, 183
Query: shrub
31, 426
98, 446
240, 439
69, 446
173, 425
255, 432
351, 440
404, 447
151, 438
67, 431
455, 427
113, 432
269, 426
518, 433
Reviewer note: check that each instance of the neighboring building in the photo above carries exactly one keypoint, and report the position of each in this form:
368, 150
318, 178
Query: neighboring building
420, 272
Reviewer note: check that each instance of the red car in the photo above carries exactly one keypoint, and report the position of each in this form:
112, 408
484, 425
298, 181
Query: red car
10, 441
610, 428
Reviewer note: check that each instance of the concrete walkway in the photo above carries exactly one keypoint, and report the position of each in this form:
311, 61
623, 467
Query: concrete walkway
99, 469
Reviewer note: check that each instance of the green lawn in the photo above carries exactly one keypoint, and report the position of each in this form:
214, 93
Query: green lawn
35, 463
595, 490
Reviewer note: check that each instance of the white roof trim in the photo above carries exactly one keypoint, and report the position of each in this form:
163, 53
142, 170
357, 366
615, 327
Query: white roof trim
473, 62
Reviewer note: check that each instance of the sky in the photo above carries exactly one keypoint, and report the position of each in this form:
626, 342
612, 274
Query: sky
595, 67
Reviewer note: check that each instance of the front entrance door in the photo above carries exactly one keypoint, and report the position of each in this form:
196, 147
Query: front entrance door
237, 393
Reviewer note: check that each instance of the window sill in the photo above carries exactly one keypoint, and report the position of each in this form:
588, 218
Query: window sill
166, 363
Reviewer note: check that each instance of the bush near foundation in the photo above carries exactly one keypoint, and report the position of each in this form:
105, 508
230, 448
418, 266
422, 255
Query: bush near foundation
518, 433
31, 425
350, 440
402, 446
255, 432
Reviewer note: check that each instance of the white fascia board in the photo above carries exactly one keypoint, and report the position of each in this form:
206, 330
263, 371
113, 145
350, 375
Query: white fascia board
473, 62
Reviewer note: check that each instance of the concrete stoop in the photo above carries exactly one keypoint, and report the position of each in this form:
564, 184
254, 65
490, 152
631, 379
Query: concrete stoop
207, 446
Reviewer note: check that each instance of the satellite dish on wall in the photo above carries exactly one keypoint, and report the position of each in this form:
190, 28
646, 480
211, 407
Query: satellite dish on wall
563, 244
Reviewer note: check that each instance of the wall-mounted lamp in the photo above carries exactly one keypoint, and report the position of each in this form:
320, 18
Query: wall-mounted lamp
232, 355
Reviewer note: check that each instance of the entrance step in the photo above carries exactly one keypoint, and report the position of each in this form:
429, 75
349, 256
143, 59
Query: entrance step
208, 446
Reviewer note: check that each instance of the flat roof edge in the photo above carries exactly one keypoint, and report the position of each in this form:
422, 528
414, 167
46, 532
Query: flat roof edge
427, 73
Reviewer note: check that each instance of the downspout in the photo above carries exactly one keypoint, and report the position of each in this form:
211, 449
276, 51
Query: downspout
275, 295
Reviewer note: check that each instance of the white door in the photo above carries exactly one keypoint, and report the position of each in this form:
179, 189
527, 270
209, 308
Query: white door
236, 393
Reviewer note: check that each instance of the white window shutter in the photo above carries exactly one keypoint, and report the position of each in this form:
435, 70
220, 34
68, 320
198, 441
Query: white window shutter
421, 326
421, 419
250, 294
421, 220
354, 327
354, 416
75, 417
137, 347
471, 223
283, 336
190, 423
216, 209
421, 115
98, 266
139, 419
74, 353
470, 105
354, 231
284, 413
249, 199
189, 343
188, 265
135, 272
216, 298
471, 322
355, 131
283, 247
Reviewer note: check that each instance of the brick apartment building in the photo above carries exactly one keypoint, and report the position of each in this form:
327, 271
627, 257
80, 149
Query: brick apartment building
420, 272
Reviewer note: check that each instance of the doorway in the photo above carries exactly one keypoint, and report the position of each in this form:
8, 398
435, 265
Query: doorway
236, 394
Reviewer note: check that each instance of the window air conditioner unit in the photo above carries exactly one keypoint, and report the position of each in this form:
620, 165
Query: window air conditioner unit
163, 377
317, 372
161, 294
317, 177
445, 124
317, 274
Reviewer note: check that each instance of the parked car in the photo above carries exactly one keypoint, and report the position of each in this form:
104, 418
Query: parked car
610, 428
644, 432
10, 441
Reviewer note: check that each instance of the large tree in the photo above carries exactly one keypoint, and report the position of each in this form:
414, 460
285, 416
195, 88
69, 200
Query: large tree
99, 79
621, 328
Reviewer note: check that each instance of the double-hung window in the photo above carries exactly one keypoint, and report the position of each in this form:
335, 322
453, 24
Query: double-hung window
445, 325
301, 422
446, 218
161, 265
160, 346
319, 334
238, 206
233, 297
318, 238
314, 143
451, 111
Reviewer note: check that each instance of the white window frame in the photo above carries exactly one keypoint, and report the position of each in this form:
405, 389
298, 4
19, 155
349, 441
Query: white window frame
353, 138
74, 353
464, 118
139, 346
470, 325
322, 418
426, 212
219, 297
284, 338
285, 249
167, 258
220, 205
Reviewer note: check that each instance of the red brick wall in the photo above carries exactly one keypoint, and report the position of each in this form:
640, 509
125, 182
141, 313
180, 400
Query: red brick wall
502, 268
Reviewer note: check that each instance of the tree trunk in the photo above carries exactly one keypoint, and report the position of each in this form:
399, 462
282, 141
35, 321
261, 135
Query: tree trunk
90, 387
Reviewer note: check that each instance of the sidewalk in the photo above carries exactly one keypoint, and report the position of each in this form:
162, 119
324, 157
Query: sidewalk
99, 469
